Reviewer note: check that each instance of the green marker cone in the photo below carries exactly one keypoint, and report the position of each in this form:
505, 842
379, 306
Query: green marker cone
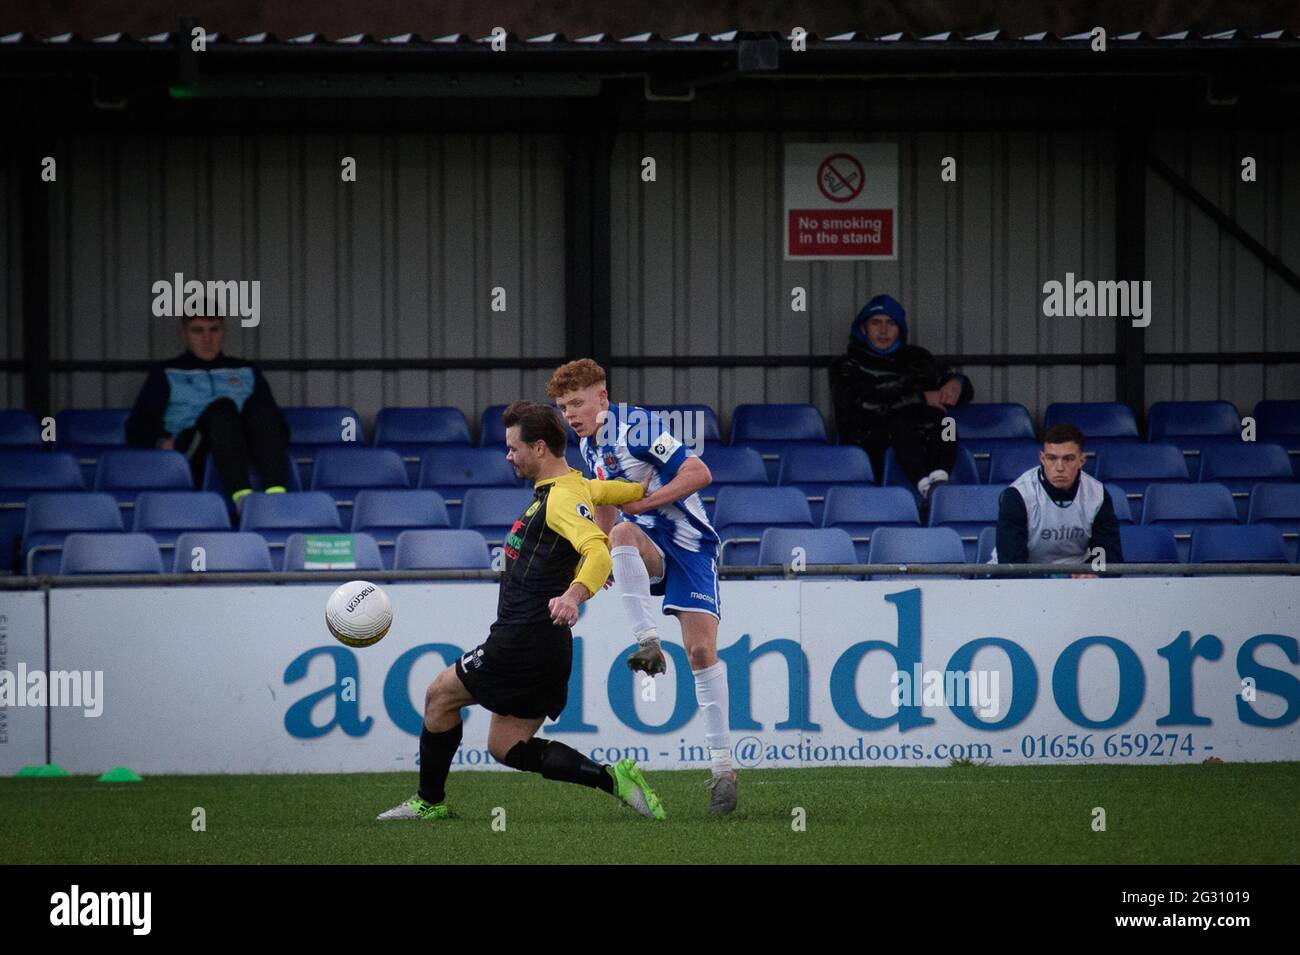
121, 774
46, 771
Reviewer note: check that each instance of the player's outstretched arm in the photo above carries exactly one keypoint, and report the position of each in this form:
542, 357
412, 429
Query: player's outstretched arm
693, 475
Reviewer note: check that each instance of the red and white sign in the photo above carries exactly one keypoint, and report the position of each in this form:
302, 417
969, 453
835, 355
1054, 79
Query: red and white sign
841, 201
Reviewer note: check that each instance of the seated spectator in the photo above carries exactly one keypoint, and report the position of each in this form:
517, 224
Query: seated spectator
888, 393
1055, 513
203, 402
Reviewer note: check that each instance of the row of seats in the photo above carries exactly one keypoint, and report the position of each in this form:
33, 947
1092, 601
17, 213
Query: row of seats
742, 515
770, 429
234, 551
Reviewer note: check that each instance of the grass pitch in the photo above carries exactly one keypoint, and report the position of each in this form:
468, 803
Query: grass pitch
1225, 813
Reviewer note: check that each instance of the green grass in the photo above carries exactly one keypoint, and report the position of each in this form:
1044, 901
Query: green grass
1226, 813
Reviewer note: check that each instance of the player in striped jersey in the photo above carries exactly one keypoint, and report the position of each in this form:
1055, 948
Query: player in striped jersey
664, 545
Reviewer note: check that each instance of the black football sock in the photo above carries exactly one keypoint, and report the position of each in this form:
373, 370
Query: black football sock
436, 752
556, 761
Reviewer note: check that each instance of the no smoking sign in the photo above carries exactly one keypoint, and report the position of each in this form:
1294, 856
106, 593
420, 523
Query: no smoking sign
841, 200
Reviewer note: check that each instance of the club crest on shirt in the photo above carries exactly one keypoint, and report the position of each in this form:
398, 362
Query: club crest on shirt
532, 508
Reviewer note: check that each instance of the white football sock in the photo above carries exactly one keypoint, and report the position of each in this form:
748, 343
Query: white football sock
633, 581
711, 694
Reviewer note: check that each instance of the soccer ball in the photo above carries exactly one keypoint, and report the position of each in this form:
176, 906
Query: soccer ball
358, 613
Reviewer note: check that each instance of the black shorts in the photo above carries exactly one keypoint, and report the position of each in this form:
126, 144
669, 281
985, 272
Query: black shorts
520, 670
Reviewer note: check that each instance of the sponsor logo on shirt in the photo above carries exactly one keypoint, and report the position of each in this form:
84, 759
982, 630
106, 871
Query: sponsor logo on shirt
664, 447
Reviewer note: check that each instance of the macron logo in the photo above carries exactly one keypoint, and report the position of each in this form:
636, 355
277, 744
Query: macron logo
103, 908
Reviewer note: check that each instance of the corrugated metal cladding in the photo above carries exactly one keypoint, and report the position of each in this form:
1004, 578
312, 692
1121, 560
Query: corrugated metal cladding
399, 264
1213, 293
699, 266
11, 288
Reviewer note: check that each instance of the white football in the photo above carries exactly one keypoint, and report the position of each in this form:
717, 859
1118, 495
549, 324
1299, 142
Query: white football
358, 613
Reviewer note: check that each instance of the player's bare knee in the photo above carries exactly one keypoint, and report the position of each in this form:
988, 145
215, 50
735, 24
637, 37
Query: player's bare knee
701, 657
625, 534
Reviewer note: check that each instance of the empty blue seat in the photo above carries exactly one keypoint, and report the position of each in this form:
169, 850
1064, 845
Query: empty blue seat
1011, 459
742, 514
984, 428
276, 516
342, 473
365, 554
385, 514
311, 429
19, 428
441, 550
690, 424
51, 516
85, 432
771, 429
964, 471
822, 545
1279, 505
1148, 544
23, 472
125, 472
1279, 421
988, 542
1242, 465
165, 514
1244, 543
814, 469
1133, 468
914, 545
412, 431
223, 551
452, 471
729, 467
967, 509
1182, 507
1194, 426
574, 457
110, 554
492, 511
1119, 501
860, 510
1096, 419
212, 479
492, 429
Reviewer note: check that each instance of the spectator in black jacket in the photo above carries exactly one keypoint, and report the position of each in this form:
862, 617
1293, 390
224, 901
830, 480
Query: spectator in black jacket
888, 393
1056, 513
203, 402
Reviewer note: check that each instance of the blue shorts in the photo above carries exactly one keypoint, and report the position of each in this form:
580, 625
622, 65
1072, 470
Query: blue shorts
690, 580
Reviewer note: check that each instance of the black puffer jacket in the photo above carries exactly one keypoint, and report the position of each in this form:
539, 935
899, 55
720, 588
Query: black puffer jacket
867, 387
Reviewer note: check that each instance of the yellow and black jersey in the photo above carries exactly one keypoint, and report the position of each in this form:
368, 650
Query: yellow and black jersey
556, 542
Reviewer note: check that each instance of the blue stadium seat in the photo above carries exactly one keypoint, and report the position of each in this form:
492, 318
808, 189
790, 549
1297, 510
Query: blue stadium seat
860, 510
365, 553
276, 516
1242, 465
1194, 426
19, 428
492, 511
453, 471
1279, 421
915, 545
742, 514
771, 429
110, 554
441, 550
51, 516
223, 552
574, 457
312, 428
342, 473
385, 514
23, 472
1182, 507
125, 472
731, 467
1119, 501
964, 471
988, 542
822, 545
1246, 543
814, 469
492, 429
212, 480
1011, 459
1096, 419
1135, 467
984, 428
412, 431
1148, 544
690, 424
1279, 505
85, 432
967, 509
164, 515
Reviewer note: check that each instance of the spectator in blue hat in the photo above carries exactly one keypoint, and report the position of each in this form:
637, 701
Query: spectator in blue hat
888, 393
